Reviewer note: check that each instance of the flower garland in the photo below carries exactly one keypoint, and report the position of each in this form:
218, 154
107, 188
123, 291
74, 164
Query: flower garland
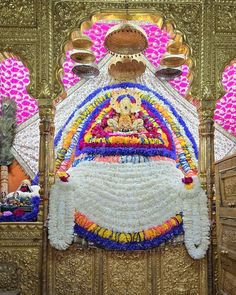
136, 245
19, 215
73, 132
61, 216
124, 85
153, 188
94, 188
155, 232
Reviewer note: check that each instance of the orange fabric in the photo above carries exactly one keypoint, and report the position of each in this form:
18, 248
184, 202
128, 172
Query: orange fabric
15, 175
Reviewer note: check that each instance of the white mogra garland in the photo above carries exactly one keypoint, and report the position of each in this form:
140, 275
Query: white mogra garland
130, 198
61, 216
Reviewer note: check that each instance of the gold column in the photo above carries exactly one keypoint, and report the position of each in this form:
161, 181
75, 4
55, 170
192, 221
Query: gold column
206, 173
4, 180
46, 169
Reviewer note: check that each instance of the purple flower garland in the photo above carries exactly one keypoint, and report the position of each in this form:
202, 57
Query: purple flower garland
130, 85
149, 150
27, 217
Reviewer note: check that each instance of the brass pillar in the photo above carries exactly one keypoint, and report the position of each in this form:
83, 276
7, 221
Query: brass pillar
4, 180
46, 170
206, 174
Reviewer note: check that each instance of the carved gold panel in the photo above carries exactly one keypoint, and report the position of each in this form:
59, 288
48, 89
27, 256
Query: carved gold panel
225, 17
9, 279
179, 272
228, 280
73, 272
161, 271
15, 13
20, 257
228, 186
228, 234
126, 273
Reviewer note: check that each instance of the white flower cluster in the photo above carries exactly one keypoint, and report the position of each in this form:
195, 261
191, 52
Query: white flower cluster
129, 197
61, 216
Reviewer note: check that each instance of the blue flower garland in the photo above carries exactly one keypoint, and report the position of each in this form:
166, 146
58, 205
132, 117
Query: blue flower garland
27, 217
112, 245
130, 85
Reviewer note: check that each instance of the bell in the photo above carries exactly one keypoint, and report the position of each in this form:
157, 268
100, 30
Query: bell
165, 73
82, 56
85, 70
177, 48
172, 60
126, 39
126, 68
80, 41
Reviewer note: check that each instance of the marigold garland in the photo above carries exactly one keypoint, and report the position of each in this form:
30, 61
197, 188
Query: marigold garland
122, 237
164, 138
161, 106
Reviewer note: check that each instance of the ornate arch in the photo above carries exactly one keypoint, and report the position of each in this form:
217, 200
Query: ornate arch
151, 16
21, 55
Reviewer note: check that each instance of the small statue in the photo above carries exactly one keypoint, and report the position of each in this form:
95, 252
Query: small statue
126, 120
23, 193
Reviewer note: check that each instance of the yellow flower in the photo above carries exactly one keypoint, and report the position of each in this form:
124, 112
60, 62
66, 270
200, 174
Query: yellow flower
107, 233
189, 186
122, 238
92, 227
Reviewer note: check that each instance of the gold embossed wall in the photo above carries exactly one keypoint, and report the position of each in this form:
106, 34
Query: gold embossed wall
36, 30
165, 271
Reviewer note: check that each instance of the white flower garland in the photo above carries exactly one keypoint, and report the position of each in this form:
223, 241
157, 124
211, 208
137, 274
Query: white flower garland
129, 197
196, 222
61, 216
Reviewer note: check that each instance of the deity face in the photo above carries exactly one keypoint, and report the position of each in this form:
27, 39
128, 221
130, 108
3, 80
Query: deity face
25, 184
125, 106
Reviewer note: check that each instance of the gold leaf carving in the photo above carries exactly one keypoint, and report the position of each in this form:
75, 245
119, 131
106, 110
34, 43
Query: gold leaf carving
18, 13
20, 267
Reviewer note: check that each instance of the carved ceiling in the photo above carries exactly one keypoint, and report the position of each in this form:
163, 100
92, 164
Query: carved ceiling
37, 37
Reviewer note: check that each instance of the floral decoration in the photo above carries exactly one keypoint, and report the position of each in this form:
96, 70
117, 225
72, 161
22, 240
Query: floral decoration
127, 241
127, 168
158, 113
18, 213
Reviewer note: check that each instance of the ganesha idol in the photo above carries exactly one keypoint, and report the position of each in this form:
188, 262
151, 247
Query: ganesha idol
23, 194
127, 175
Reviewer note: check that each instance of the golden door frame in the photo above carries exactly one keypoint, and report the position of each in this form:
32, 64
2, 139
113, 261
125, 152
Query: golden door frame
35, 31
159, 264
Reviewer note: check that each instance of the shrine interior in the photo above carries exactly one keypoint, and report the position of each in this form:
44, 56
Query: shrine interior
117, 147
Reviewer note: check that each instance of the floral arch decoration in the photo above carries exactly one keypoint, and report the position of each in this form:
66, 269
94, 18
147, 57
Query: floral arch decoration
131, 185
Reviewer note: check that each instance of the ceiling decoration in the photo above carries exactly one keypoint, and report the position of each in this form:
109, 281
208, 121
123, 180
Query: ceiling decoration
85, 70
158, 40
126, 42
79, 51
168, 73
83, 56
175, 56
126, 68
126, 39
80, 41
